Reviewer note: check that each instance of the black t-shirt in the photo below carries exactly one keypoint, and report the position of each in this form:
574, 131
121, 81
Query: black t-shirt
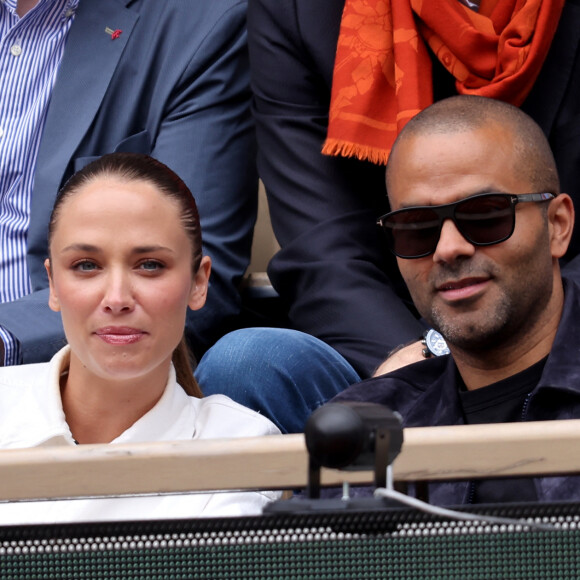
501, 402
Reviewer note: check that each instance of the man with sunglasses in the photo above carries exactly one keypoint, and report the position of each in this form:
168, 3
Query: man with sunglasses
478, 228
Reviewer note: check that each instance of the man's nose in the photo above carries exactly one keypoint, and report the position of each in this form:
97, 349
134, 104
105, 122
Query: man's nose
451, 244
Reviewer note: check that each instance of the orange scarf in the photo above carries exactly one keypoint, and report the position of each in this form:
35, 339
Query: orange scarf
382, 73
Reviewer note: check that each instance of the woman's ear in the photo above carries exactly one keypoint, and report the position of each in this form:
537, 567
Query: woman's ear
561, 224
53, 302
200, 284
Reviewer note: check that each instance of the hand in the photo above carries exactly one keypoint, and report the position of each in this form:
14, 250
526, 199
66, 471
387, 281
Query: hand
401, 357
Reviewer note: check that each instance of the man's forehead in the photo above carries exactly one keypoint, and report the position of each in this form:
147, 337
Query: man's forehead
441, 138
466, 134
438, 168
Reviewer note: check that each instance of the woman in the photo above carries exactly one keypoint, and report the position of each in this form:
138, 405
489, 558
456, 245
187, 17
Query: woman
125, 263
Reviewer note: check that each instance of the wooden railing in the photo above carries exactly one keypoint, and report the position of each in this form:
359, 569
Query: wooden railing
280, 462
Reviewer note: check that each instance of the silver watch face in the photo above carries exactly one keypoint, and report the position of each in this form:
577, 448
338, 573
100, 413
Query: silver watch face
436, 343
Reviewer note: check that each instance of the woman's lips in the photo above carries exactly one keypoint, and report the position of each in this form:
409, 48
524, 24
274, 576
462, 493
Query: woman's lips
120, 334
462, 289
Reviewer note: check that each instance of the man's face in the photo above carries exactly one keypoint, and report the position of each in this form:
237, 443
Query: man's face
477, 297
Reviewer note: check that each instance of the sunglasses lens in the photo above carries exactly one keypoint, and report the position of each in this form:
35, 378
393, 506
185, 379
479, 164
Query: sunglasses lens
413, 232
485, 220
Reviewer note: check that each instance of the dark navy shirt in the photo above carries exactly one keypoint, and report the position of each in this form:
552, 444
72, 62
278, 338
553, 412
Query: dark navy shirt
501, 402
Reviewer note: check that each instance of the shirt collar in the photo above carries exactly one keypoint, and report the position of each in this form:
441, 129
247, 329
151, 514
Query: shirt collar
70, 5
172, 417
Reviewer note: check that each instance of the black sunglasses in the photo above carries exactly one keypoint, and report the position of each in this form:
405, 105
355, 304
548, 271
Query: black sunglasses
483, 220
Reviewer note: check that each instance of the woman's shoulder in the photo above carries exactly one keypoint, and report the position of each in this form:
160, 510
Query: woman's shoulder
20, 392
20, 376
28, 375
30, 385
28, 406
220, 416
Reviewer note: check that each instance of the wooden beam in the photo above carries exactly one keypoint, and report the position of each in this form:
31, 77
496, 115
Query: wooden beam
280, 462
491, 450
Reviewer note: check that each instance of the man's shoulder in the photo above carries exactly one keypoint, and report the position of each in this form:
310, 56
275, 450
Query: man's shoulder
571, 308
173, 9
165, 19
400, 387
571, 284
179, 28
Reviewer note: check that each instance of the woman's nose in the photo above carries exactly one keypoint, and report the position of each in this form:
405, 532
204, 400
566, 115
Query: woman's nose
118, 293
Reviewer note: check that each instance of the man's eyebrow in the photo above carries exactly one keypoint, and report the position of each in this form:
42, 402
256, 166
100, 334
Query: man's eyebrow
480, 191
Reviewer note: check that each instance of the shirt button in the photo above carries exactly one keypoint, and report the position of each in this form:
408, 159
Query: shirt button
1, 132
16, 50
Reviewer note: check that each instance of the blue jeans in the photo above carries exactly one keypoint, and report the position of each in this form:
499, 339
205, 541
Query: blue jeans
283, 374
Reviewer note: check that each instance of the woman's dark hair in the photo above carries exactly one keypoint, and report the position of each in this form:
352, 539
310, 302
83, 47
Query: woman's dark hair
138, 167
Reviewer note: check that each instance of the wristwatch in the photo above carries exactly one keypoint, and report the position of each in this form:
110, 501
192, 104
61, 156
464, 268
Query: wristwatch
434, 344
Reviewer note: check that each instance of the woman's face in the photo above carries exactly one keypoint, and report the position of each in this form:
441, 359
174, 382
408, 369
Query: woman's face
121, 275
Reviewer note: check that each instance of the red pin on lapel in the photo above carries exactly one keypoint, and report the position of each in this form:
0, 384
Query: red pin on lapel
114, 33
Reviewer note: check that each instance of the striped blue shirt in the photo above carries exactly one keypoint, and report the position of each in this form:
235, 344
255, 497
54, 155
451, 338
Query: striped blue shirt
31, 49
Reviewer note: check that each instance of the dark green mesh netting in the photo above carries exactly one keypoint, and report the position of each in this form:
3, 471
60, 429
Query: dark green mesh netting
394, 543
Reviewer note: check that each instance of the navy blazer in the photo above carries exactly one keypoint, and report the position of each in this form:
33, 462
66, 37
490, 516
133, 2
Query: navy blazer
175, 85
334, 271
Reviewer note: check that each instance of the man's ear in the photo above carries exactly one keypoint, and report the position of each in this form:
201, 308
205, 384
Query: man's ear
561, 224
53, 302
200, 286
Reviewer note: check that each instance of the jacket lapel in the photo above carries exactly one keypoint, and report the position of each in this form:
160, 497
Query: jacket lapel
556, 72
90, 59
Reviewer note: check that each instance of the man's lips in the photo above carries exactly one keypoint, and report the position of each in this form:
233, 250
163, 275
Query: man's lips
461, 289
120, 334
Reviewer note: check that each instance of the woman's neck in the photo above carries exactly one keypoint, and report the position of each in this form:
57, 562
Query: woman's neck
98, 410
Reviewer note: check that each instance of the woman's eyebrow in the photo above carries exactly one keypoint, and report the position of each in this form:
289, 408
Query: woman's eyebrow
82, 247
152, 248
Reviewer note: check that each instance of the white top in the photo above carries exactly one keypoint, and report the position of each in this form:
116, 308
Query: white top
31, 415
